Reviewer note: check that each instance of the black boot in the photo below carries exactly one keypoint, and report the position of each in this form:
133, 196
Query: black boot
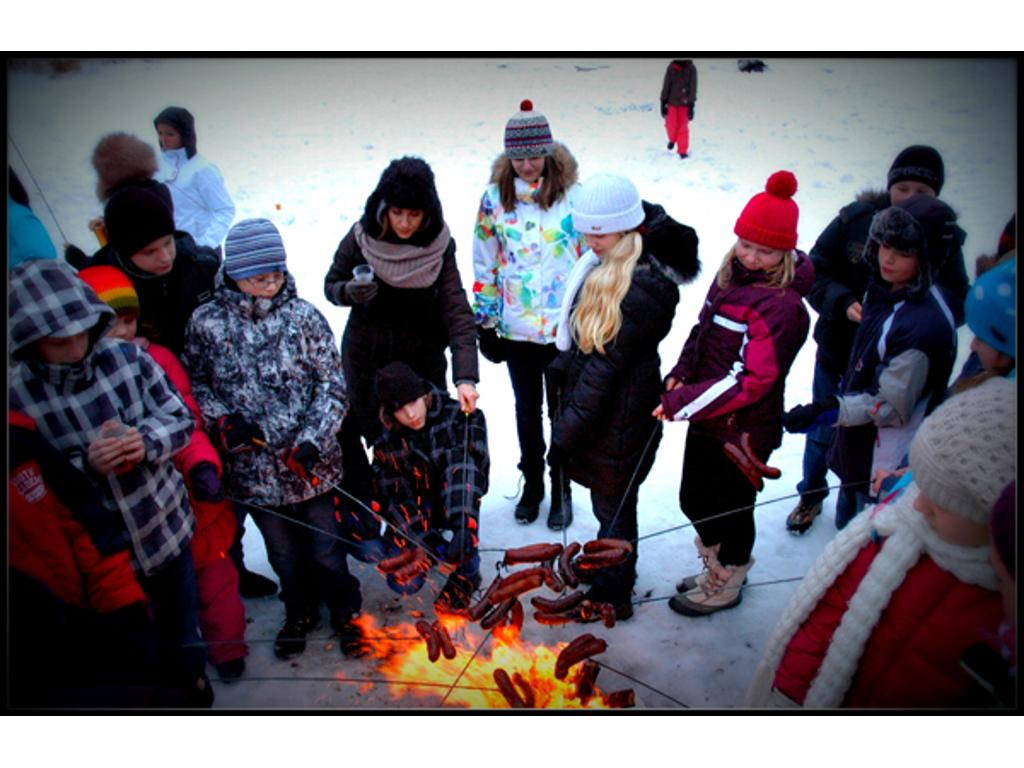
351, 640
560, 514
291, 640
529, 503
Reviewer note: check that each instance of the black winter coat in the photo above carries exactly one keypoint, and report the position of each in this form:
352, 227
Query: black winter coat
842, 274
604, 417
168, 301
413, 325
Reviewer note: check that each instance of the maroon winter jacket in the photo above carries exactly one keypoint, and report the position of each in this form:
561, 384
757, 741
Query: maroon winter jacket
912, 658
735, 361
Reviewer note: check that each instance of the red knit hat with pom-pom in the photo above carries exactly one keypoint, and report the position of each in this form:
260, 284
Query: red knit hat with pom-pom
527, 133
770, 217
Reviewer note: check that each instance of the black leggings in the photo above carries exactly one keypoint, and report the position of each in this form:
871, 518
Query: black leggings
712, 484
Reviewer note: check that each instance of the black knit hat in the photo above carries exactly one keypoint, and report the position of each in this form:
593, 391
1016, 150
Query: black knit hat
918, 163
407, 182
181, 120
398, 384
136, 215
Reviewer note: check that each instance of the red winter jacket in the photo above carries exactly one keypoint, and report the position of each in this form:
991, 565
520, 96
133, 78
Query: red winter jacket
734, 364
912, 658
215, 521
47, 540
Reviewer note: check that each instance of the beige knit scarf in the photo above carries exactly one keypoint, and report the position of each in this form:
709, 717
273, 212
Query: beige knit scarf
907, 537
404, 266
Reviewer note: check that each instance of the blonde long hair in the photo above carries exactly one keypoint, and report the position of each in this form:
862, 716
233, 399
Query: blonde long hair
779, 276
597, 318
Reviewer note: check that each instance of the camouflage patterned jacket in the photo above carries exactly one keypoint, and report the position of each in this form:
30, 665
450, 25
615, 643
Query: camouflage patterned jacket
274, 361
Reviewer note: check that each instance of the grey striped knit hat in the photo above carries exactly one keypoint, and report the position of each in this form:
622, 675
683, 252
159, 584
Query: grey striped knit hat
253, 247
527, 133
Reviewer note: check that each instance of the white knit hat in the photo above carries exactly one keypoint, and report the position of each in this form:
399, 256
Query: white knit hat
965, 452
607, 203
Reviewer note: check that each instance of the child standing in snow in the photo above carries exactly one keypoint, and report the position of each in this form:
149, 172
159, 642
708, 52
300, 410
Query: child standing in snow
430, 474
902, 354
221, 615
524, 248
678, 98
729, 383
884, 616
202, 205
264, 369
619, 304
841, 277
110, 409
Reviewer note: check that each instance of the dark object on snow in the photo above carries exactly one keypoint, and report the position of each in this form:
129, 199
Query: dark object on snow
750, 65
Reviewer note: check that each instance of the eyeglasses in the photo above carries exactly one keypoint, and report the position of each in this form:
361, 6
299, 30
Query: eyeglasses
268, 279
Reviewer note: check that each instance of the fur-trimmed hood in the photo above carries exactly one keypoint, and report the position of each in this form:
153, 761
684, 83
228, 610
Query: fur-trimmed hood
570, 168
120, 158
672, 244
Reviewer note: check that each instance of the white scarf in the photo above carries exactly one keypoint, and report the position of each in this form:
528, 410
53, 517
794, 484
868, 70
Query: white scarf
583, 267
908, 536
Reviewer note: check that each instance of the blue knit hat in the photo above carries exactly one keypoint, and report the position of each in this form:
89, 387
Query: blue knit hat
253, 247
992, 307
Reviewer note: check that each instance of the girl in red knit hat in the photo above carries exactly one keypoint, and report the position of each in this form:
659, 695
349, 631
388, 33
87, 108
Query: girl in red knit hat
729, 384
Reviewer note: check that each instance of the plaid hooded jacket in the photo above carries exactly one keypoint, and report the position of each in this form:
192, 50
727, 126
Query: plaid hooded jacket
115, 380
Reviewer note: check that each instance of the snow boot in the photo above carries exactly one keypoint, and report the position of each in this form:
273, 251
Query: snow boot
622, 606
706, 554
229, 671
351, 640
560, 513
291, 640
802, 516
457, 593
723, 588
529, 503
671, 145
255, 585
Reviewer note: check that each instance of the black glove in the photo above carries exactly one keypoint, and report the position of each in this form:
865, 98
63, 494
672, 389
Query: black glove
301, 459
205, 483
491, 345
664, 109
75, 256
237, 435
803, 418
360, 292
463, 544
689, 110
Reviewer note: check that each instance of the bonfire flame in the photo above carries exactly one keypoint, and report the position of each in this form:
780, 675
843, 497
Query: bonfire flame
402, 657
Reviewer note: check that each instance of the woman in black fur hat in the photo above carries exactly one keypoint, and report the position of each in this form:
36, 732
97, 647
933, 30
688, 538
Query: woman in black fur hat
411, 309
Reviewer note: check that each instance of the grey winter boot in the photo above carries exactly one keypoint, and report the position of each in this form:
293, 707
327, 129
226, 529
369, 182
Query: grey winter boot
722, 589
706, 554
560, 513
529, 503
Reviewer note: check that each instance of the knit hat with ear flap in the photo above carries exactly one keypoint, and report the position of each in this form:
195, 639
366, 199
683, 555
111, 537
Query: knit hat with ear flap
965, 452
607, 203
770, 218
527, 133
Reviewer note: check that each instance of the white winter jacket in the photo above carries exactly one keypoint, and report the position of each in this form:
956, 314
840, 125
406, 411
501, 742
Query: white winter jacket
202, 205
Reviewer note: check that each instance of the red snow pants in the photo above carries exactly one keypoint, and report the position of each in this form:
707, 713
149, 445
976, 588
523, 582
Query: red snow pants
221, 614
677, 126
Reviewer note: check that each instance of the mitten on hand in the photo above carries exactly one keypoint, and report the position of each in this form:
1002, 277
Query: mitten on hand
664, 109
491, 345
464, 543
205, 483
301, 459
803, 418
236, 435
690, 110
360, 292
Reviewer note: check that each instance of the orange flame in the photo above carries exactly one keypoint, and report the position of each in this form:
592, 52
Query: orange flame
402, 657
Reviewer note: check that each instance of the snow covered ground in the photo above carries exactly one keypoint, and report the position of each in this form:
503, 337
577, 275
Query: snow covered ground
303, 142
